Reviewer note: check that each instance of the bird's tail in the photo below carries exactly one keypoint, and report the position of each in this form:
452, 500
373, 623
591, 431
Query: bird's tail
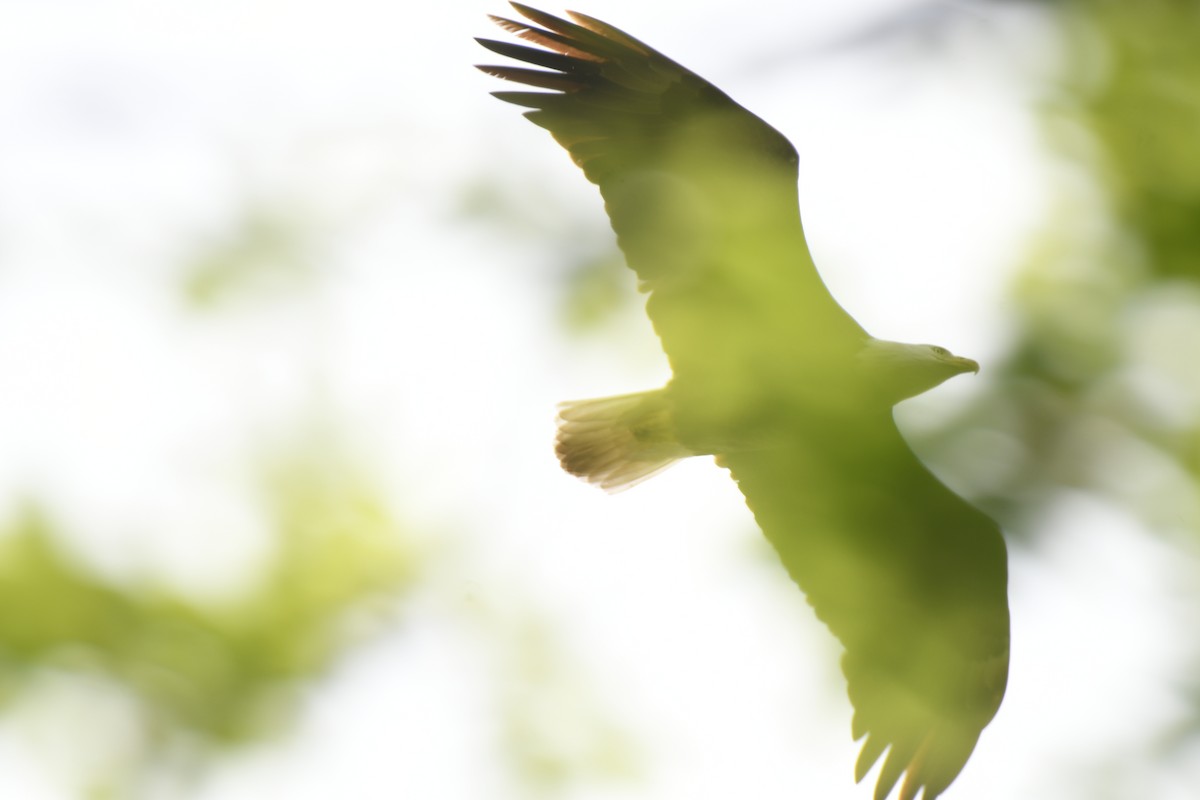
618, 442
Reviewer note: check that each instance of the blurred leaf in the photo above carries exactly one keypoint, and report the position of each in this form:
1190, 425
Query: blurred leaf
1096, 389
214, 673
265, 252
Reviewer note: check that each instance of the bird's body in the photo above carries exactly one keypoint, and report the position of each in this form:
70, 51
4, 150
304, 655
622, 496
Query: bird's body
775, 379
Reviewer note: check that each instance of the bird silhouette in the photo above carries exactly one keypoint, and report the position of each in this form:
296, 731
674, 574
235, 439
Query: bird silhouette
786, 389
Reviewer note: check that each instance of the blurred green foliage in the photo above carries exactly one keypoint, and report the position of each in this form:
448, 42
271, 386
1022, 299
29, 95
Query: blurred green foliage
217, 673
1100, 391
195, 679
1143, 106
553, 732
266, 251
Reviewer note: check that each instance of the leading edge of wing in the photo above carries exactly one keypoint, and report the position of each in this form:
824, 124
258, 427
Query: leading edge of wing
911, 579
629, 101
700, 192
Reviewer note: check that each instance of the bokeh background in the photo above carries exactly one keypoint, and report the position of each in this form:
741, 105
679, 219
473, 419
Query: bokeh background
286, 304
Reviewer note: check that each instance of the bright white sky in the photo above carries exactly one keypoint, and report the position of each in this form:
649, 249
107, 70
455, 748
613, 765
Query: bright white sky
131, 132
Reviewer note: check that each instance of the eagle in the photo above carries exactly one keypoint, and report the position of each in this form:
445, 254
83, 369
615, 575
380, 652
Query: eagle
772, 377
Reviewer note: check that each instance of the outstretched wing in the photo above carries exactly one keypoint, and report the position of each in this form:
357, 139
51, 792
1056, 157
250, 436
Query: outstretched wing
910, 577
702, 196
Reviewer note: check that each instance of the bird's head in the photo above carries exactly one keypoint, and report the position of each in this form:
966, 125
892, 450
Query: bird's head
898, 371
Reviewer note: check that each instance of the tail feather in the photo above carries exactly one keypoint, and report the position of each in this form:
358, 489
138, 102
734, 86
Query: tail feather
618, 442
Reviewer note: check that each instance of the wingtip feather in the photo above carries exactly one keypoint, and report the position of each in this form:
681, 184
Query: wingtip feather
872, 749
609, 32
897, 761
555, 42
556, 81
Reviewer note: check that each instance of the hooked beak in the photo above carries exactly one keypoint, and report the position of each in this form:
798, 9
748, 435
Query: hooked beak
965, 364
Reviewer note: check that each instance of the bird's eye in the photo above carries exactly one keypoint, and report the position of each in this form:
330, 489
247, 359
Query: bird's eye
940, 351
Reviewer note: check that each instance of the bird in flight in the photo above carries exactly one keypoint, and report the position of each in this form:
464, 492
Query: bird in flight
775, 379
